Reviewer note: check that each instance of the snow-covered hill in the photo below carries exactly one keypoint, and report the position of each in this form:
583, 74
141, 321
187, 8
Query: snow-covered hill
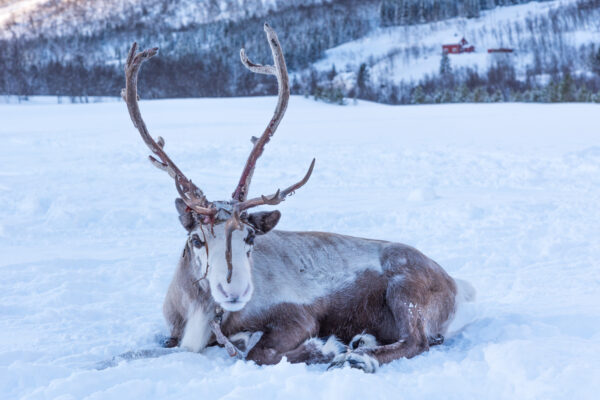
32, 18
77, 48
542, 33
503, 195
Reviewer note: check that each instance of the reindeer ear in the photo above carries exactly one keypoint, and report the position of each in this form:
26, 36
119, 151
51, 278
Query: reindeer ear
185, 215
264, 221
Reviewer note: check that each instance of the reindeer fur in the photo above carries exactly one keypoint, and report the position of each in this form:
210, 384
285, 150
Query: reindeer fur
310, 285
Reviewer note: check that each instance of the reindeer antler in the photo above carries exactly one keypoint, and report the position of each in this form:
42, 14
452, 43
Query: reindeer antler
192, 195
280, 71
278, 196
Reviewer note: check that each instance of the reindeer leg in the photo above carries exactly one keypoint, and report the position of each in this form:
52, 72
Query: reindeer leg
316, 351
245, 341
412, 339
370, 358
406, 348
177, 323
289, 335
311, 351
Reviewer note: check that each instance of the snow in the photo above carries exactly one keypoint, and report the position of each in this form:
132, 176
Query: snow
13, 8
502, 195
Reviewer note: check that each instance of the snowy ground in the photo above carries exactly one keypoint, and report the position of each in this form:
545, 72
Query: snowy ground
503, 195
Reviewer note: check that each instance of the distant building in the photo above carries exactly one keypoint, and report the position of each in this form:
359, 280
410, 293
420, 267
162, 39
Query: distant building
458, 48
500, 50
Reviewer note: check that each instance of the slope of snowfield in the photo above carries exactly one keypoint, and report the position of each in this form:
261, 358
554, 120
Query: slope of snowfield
503, 195
12, 8
60, 17
409, 53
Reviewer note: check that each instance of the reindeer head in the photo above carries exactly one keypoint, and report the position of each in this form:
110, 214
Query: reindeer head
221, 233
221, 254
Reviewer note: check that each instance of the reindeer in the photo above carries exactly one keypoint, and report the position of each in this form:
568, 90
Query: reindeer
311, 297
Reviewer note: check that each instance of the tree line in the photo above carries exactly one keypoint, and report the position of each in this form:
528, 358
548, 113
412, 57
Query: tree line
405, 12
457, 85
194, 60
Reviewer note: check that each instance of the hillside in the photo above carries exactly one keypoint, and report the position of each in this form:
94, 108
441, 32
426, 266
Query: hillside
383, 50
533, 31
52, 18
546, 41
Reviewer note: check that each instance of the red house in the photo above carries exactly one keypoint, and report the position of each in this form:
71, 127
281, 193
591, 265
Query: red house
458, 48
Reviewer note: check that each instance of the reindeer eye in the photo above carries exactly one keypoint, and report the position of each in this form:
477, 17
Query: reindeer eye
197, 242
250, 239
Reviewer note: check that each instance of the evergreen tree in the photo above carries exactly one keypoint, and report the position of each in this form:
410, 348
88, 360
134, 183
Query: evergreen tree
583, 95
478, 95
471, 8
387, 12
552, 93
446, 96
497, 96
362, 79
596, 62
418, 96
462, 94
566, 88
445, 67
332, 73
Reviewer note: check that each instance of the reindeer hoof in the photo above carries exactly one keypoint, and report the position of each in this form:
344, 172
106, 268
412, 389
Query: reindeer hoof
355, 360
244, 342
169, 343
434, 341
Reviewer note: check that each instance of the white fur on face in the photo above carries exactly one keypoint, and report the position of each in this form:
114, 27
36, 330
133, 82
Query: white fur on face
231, 296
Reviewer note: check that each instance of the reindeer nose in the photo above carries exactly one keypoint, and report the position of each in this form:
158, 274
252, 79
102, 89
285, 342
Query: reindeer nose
232, 296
